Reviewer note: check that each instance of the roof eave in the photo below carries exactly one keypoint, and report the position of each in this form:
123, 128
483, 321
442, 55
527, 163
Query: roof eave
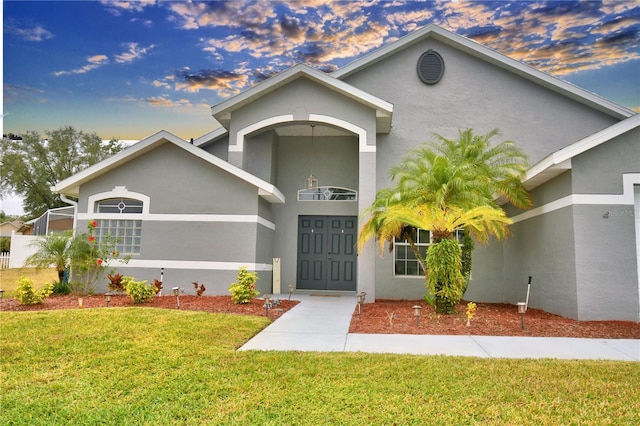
384, 110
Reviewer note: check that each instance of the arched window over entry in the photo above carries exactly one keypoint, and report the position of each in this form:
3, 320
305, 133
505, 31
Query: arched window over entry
328, 193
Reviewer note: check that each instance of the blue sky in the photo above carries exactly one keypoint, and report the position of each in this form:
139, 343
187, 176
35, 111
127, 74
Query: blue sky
129, 69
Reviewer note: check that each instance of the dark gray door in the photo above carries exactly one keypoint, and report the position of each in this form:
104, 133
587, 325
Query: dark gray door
327, 253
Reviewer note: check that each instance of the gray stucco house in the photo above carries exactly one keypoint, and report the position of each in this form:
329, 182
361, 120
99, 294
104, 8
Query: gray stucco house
238, 196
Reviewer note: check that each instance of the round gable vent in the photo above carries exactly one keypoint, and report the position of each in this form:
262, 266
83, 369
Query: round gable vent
430, 67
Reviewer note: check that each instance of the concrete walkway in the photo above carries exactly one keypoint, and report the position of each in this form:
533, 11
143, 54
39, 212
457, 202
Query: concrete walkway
321, 324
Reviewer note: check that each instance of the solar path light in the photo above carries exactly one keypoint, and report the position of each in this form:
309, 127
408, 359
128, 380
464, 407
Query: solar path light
291, 288
416, 312
108, 297
176, 293
360, 297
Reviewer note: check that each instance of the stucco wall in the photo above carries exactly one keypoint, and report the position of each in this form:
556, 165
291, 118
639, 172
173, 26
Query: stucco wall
472, 94
336, 164
179, 183
606, 259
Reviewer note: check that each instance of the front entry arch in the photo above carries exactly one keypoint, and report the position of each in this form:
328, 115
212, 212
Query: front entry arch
327, 253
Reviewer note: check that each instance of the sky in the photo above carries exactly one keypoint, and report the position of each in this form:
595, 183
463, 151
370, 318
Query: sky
127, 69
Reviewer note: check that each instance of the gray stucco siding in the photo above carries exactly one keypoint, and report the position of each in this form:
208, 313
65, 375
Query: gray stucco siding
472, 94
260, 158
219, 148
199, 241
544, 248
606, 265
599, 170
177, 182
216, 282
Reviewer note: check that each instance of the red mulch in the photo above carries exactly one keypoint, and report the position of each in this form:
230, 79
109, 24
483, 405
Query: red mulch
490, 319
220, 304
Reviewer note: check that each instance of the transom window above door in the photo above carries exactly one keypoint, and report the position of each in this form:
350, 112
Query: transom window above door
327, 193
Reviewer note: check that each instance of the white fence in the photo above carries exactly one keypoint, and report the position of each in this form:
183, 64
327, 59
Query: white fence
4, 260
21, 249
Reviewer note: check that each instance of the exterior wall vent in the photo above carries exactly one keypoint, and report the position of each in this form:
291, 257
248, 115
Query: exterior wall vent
430, 67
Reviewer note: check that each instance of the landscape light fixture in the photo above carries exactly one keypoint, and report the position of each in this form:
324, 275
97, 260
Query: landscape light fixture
108, 297
176, 293
522, 308
1, 293
360, 297
416, 312
291, 288
268, 303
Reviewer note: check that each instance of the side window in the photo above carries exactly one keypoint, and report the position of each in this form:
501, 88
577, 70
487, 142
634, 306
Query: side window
404, 259
127, 231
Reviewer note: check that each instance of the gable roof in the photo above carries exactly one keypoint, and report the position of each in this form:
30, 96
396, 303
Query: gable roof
560, 161
71, 185
491, 56
384, 110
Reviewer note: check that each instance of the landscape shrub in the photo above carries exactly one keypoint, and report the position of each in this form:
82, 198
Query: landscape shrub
138, 291
243, 289
27, 295
60, 288
115, 282
445, 281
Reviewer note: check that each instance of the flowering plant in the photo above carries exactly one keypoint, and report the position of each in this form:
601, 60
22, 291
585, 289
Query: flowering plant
471, 312
243, 289
91, 258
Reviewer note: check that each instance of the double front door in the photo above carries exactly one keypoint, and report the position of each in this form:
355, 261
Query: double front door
327, 253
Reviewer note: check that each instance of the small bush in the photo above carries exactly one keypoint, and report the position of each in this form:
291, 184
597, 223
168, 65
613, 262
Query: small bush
115, 282
138, 291
61, 288
200, 288
27, 295
158, 285
243, 289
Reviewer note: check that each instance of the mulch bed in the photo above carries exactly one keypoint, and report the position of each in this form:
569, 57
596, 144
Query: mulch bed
381, 317
219, 304
490, 319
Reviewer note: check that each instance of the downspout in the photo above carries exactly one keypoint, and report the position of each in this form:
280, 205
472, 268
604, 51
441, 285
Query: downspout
75, 213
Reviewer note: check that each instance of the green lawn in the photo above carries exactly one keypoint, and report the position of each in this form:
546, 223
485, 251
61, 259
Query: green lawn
152, 366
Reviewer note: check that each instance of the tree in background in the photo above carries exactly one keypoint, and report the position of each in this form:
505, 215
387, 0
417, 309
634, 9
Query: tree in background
31, 165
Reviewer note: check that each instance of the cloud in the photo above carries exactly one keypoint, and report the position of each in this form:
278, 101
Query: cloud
116, 7
224, 83
13, 92
164, 102
134, 52
93, 62
28, 31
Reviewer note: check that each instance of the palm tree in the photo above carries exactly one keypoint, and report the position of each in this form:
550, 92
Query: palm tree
446, 186
52, 249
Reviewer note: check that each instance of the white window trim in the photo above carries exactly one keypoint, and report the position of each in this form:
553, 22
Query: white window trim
403, 244
117, 192
300, 191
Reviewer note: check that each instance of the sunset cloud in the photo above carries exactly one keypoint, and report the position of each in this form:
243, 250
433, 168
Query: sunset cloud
134, 52
93, 62
28, 31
